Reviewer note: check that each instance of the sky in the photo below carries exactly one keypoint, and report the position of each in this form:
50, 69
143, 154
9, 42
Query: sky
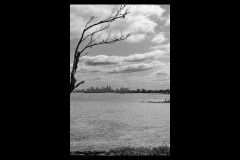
140, 61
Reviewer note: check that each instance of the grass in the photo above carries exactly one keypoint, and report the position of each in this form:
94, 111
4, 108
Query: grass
128, 151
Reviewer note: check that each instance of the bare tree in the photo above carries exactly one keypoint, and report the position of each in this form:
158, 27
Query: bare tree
119, 13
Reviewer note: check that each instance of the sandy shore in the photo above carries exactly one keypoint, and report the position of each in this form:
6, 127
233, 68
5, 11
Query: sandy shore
127, 151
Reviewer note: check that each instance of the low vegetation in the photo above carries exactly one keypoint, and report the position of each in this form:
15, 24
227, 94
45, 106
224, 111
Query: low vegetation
127, 151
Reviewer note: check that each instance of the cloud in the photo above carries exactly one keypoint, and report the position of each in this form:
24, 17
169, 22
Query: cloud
139, 21
166, 20
100, 60
98, 77
159, 38
165, 47
133, 75
135, 38
167, 23
163, 73
117, 64
146, 56
91, 63
132, 68
95, 71
103, 60
137, 67
146, 68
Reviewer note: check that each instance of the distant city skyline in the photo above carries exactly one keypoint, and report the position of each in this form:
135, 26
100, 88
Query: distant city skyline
141, 61
114, 88
108, 88
121, 90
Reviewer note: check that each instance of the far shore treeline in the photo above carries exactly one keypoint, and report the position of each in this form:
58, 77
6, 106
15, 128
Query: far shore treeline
121, 90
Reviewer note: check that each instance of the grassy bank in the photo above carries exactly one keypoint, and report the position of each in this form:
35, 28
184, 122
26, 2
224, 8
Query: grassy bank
127, 151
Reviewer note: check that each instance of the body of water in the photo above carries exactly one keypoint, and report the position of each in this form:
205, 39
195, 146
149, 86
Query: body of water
100, 121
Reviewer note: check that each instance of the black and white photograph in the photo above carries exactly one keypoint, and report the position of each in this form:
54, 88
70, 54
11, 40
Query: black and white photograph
120, 80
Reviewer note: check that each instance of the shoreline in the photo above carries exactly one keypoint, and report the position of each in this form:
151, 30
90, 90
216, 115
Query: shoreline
125, 92
126, 151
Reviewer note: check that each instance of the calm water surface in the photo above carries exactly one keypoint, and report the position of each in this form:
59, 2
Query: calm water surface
100, 121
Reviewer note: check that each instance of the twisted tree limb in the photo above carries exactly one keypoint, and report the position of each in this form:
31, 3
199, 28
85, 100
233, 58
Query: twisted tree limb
121, 12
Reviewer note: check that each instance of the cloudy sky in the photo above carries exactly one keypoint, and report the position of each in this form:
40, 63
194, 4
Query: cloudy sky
141, 61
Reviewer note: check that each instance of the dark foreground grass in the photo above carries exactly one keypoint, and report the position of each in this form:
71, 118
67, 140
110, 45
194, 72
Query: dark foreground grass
127, 151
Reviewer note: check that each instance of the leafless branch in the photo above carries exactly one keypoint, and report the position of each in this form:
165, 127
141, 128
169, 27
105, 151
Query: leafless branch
119, 13
90, 20
96, 31
78, 84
